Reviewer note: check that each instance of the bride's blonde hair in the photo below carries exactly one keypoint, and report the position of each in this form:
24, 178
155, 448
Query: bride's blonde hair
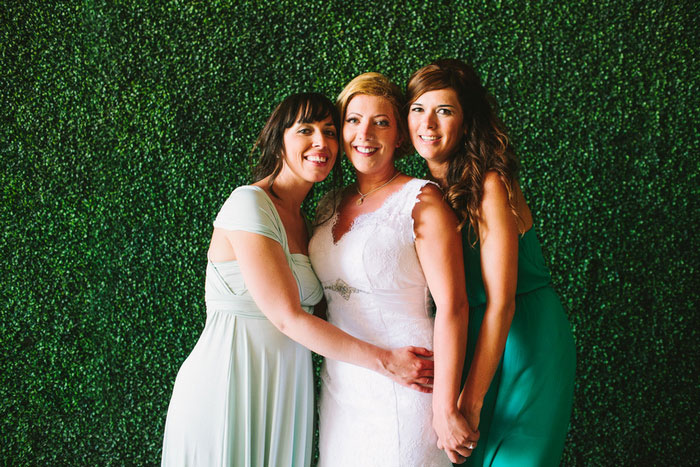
376, 84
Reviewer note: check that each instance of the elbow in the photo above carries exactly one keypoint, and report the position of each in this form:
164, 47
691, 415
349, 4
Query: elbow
504, 310
282, 325
284, 322
455, 310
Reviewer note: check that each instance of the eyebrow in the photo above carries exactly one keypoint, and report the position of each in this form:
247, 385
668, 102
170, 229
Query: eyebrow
360, 115
441, 105
299, 122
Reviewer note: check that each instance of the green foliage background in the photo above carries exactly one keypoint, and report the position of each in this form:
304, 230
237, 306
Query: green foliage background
126, 124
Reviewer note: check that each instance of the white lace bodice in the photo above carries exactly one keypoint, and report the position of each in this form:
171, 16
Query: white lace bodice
376, 262
377, 292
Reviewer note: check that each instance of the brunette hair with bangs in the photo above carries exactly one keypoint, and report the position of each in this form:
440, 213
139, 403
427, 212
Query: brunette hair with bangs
305, 107
485, 145
376, 84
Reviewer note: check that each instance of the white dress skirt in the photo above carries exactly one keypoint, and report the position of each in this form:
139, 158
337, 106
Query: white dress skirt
377, 292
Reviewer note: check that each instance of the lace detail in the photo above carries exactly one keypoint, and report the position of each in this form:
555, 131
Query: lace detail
326, 207
376, 291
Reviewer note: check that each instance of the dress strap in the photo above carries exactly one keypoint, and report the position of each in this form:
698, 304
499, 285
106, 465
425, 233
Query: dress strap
220, 276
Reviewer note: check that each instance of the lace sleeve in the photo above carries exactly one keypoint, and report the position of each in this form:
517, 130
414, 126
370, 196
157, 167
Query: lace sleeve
413, 199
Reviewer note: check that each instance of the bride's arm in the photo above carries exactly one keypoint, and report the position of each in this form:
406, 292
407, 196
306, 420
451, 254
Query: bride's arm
273, 287
439, 248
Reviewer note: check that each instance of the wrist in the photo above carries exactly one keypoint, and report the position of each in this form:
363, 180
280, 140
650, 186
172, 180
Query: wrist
383, 361
469, 403
444, 409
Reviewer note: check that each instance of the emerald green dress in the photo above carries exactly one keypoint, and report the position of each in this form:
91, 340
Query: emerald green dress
526, 410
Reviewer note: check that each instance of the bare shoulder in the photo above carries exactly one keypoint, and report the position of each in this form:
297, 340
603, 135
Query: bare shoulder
431, 191
496, 201
432, 208
494, 186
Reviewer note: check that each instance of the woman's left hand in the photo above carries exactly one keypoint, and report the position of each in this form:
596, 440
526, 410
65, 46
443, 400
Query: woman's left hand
472, 417
411, 367
455, 436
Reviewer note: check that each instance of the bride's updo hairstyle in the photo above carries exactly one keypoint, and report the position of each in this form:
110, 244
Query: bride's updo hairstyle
376, 84
305, 107
485, 145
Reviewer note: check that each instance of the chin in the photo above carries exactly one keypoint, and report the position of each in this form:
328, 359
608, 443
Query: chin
426, 155
436, 157
319, 177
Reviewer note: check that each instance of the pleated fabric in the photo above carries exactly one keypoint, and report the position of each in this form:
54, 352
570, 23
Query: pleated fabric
244, 395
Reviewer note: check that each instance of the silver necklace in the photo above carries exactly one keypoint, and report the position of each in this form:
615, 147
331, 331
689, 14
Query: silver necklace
362, 197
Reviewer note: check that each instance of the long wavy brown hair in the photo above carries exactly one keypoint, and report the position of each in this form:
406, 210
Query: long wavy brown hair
485, 145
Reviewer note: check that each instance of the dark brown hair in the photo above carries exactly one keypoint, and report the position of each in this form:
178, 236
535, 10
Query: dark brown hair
485, 145
305, 107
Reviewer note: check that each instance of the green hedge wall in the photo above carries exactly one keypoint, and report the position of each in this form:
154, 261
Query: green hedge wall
126, 124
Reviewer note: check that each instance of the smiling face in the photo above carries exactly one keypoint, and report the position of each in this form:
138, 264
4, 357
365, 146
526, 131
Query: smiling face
310, 149
436, 125
370, 134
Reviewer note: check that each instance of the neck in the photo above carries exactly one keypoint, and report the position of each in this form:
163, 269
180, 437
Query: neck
368, 182
438, 170
290, 190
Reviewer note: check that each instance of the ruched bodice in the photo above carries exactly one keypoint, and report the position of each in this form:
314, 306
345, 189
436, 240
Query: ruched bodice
226, 290
376, 291
250, 209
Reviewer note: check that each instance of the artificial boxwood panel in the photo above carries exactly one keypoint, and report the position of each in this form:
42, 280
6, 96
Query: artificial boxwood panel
125, 125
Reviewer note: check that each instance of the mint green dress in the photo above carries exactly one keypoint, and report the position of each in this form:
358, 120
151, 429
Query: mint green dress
526, 411
244, 396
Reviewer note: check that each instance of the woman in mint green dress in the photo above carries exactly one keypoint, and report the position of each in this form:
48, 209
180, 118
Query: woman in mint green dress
244, 396
519, 368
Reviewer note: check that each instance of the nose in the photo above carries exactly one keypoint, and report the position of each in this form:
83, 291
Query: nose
429, 120
318, 141
365, 131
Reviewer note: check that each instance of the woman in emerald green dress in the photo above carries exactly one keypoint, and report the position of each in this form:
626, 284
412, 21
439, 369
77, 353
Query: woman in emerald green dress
519, 368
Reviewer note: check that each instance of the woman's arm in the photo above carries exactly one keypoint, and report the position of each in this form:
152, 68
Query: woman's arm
273, 287
498, 236
439, 248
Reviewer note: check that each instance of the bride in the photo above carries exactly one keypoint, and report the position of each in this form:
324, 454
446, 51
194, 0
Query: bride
382, 248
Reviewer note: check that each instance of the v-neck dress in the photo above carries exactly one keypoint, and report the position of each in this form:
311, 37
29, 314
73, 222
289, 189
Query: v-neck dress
377, 292
527, 408
244, 396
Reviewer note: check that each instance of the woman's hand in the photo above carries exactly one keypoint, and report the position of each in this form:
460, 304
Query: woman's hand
411, 367
455, 435
472, 416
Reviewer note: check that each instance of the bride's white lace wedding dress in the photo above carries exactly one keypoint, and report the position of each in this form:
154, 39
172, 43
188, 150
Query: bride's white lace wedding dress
377, 292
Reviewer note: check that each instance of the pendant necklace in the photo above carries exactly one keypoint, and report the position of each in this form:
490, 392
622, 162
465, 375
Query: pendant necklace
362, 197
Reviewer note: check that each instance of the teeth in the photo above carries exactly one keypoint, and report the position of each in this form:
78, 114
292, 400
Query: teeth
317, 158
365, 150
429, 138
